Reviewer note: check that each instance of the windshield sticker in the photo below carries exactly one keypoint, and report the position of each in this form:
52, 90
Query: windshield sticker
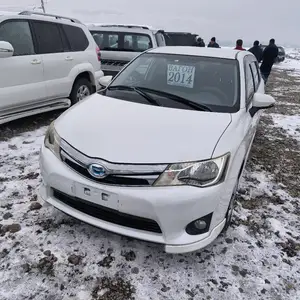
180, 75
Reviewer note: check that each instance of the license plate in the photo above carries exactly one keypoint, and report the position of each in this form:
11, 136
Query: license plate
96, 196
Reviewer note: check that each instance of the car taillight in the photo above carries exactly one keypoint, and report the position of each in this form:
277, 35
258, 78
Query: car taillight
98, 53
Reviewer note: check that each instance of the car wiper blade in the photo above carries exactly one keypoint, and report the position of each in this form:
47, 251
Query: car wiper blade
135, 89
196, 106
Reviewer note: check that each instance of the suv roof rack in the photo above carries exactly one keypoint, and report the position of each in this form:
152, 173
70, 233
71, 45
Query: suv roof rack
123, 25
29, 13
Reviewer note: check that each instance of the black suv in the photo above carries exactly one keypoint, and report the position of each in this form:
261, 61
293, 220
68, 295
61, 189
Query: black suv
281, 53
180, 38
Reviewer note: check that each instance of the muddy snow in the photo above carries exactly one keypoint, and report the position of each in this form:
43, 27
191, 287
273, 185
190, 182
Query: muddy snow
45, 254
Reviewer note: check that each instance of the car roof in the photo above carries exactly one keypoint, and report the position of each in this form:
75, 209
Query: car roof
198, 51
40, 17
122, 28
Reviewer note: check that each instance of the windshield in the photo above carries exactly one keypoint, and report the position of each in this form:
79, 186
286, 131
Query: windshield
170, 78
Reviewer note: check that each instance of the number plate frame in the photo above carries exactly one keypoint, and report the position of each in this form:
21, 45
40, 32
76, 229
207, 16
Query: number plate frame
96, 196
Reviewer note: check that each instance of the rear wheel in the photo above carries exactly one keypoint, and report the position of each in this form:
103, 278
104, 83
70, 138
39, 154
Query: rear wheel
81, 89
230, 209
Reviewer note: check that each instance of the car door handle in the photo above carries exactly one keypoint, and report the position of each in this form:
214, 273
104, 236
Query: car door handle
36, 62
69, 58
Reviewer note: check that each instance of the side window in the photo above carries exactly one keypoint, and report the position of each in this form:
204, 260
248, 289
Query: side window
256, 73
137, 42
48, 37
18, 34
160, 39
107, 41
249, 84
77, 38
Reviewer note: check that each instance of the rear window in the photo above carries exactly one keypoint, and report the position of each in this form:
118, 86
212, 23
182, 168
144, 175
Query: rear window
119, 41
180, 39
76, 37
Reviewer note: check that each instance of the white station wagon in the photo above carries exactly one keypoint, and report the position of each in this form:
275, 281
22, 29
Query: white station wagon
159, 153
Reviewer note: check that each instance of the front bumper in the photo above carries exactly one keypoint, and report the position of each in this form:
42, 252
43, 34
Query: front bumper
171, 207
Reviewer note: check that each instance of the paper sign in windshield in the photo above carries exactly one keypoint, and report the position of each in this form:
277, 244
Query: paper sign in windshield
180, 75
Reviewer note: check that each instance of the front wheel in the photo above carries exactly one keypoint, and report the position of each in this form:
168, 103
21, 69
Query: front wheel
82, 88
230, 209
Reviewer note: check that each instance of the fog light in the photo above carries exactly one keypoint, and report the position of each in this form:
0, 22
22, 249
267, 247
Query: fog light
199, 226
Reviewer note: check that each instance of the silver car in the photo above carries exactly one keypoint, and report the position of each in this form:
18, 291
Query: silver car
119, 44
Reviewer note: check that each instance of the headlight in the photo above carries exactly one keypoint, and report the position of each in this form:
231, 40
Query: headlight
52, 140
202, 173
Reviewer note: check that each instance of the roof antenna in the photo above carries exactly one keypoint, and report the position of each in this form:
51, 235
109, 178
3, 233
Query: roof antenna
43, 6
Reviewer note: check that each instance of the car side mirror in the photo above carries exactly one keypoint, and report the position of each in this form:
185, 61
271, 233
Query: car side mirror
261, 101
105, 80
6, 49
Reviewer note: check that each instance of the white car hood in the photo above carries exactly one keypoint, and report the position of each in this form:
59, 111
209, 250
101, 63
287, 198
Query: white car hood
126, 132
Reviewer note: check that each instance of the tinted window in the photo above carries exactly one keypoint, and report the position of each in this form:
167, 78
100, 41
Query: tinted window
106, 40
130, 42
250, 88
136, 42
76, 37
213, 82
19, 35
48, 37
180, 39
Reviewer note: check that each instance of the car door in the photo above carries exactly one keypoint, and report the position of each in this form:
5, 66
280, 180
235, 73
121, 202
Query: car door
78, 43
56, 57
253, 84
21, 75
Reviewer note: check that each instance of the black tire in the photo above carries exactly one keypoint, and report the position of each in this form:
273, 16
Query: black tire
85, 86
230, 209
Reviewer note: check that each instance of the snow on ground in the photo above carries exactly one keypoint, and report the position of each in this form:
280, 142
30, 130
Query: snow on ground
45, 254
289, 123
291, 63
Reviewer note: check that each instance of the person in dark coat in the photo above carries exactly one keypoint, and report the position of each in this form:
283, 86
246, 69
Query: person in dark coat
256, 51
213, 43
239, 45
268, 58
199, 42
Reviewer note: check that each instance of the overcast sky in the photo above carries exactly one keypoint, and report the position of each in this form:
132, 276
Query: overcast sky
225, 19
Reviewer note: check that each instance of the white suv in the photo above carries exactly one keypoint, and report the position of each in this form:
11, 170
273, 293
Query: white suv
47, 62
120, 43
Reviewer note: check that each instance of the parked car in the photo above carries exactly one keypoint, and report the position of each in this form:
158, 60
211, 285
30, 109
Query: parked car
180, 38
120, 43
159, 153
47, 62
281, 53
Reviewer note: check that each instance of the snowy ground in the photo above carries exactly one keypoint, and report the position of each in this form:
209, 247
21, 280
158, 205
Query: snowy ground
45, 254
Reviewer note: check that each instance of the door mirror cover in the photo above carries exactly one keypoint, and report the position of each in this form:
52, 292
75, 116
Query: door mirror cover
105, 80
261, 101
6, 49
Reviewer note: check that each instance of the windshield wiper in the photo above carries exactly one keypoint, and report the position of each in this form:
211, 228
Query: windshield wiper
196, 106
135, 89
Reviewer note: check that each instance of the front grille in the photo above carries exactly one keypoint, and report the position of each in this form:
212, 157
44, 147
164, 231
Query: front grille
110, 179
107, 214
110, 62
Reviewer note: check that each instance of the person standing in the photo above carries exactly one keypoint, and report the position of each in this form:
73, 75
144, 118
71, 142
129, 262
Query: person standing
268, 58
199, 42
239, 45
213, 43
256, 51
